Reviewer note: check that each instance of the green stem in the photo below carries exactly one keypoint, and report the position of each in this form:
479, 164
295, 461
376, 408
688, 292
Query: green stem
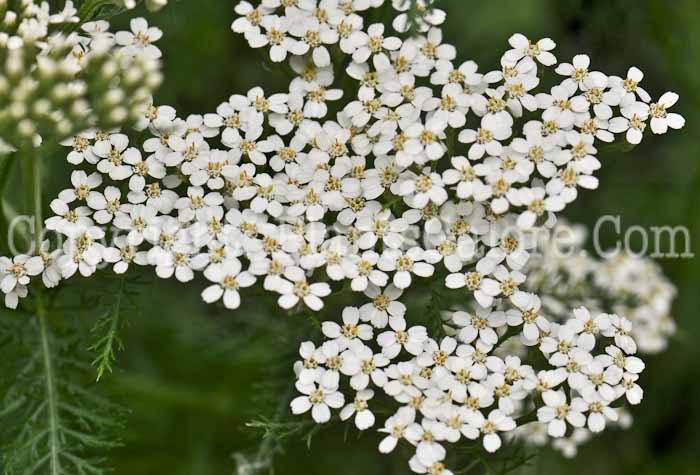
5, 167
264, 457
91, 9
527, 418
51, 394
32, 168
31, 180
38, 215
392, 202
451, 135
413, 15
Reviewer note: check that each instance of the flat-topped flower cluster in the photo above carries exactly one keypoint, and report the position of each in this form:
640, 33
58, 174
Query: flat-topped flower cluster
423, 170
622, 283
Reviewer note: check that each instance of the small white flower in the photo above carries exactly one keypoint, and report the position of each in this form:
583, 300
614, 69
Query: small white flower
484, 288
427, 16
557, 412
364, 419
634, 120
487, 139
632, 391
395, 426
620, 328
430, 464
136, 222
15, 275
376, 224
419, 190
367, 367
384, 306
577, 72
528, 314
524, 48
155, 116
70, 222
562, 106
139, 40
275, 35
481, 324
404, 380
405, 264
361, 269
229, 279
250, 17
599, 411
399, 337
316, 98
467, 178
313, 36
590, 326
629, 86
661, 119
536, 204
436, 356
171, 255
116, 157
319, 399
372, 42
82, 186
82, 254
426, 436
82, 148
566, 348
123, 254
496, 422
299, 289
351, 328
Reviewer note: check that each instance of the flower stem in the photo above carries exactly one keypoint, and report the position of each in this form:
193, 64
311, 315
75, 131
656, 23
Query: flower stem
31, 168
527, 418
38, 215
51, 395
31, 178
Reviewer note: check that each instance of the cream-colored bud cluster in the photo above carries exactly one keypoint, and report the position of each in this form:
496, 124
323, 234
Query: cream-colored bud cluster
54, 85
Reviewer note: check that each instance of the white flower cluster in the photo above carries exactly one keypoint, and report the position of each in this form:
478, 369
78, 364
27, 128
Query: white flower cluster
123, 53
629, 285
53, 85
424, 173
466, 387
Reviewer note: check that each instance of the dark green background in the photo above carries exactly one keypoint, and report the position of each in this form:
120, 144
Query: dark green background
191, 375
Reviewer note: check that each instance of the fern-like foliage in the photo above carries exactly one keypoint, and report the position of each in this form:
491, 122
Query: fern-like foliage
50, 421
108, 327
272, 425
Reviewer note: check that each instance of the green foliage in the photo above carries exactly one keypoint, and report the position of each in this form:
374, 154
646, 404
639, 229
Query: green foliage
513, 457
52, 421
99, 9
107, 328
273, 424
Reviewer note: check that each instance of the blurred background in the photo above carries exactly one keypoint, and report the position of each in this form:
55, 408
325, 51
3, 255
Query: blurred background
193, 377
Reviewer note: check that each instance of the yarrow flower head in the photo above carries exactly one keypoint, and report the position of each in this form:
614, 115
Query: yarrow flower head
428, 187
